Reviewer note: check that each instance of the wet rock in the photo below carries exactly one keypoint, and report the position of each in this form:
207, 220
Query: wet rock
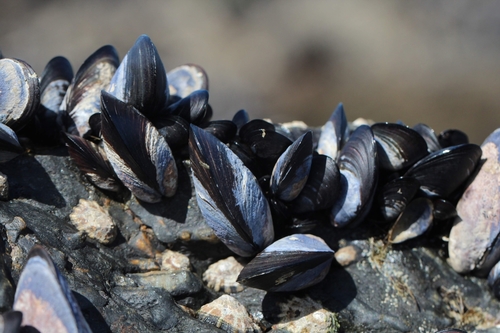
4, 187
181, 283
14, 228
94, 221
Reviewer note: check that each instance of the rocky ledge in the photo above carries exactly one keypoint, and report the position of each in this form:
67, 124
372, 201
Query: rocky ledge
120, 278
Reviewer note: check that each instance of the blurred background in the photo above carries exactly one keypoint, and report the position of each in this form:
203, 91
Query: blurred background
435, 62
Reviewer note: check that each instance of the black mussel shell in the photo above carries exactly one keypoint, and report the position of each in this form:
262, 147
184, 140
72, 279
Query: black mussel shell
254, 128
54, 82
334, 133
9, 144
322, 187
398, 146
451, 330
19, 93
44, 297
443, 209
292, 169
141, 80
413, 222
289, 264
185, 79
240, 118
358, 178
494, 280
91, 162
83, 97
229, 195
395, 194
194, 107
429, 136
11, 322
265, 143
443, 171
245, 154
452, 137
224, 130
174, 129
140, 156
95, 126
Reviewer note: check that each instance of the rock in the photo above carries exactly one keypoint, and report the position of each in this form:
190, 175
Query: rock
223, 274
94, 221
4, 187
172, 261
181, 283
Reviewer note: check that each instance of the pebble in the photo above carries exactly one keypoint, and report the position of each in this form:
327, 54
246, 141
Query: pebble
348, 255
172, 261
181, 283
94, 221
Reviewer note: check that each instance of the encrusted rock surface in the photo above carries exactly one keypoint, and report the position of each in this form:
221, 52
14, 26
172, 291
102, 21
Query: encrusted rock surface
403, 288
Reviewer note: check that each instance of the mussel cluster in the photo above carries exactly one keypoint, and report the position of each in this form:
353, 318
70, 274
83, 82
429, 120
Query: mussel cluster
260, 186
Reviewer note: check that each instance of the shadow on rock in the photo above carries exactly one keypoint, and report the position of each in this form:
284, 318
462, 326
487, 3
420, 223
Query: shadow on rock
92, 315
28, 179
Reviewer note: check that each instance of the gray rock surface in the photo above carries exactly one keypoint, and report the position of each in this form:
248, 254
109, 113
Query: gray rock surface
403, 288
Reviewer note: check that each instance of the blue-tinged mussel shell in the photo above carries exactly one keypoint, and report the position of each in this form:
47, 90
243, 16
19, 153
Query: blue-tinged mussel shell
83, 97
44, 298
185, 79
229, 195
141, 80
358, 167
289, 264
334, 133
19, 92
139, 155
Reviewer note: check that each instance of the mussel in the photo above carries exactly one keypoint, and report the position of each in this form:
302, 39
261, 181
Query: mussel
44, 298
19, 92
229, 195
289, 264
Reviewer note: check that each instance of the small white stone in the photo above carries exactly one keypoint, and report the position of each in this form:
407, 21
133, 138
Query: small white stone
172, 261
223, 275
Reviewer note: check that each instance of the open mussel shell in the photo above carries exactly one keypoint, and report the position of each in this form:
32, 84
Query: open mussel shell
19, 92
54, 82
289, 264
229, 195
292, 169
395, 195
194, 107
83, 97
9, 144
477, 226
334, 133
224, 130
141, 80
322, 186
185, 79
442, 172
140, 156
398, 146
452, 137
413, 222
44, 298
90, 159
358, 167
